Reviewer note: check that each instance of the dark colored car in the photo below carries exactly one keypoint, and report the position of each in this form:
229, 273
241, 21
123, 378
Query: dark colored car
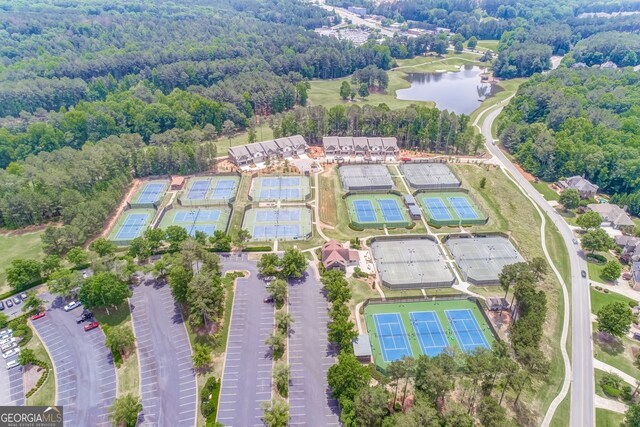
1, 305
9, 303
583, 273
86, 315
17, 300
90, 326
268, 300
38, 315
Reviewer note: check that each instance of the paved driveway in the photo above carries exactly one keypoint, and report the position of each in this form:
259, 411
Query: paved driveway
85, 373
11, 384
246, 380
310, 356
168, 381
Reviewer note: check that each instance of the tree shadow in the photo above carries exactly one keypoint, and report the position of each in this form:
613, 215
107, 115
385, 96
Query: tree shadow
611, 345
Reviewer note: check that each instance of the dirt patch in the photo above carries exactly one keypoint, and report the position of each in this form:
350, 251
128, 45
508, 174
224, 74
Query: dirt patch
29, 229
226, 166
501, 321
524, 173
31, 376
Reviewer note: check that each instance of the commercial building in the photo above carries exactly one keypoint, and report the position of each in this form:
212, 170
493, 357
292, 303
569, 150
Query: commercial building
336, 256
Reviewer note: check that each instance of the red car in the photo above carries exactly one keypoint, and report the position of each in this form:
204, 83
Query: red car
405, 159
90, 326
39, 315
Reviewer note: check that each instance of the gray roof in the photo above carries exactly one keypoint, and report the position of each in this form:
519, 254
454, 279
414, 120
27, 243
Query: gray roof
635, 271
298, 141
284, 143
330, 141
345, 142
580, 184
409, 199
414, 210
375, 142
238, 152
612, 213
269, 146
390, 142
360, 142
362, 345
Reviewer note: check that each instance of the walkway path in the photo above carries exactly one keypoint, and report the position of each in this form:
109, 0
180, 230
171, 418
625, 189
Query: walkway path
619, 289
597, 364
609, 404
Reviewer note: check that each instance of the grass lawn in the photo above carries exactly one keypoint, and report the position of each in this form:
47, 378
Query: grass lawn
488, 45
46, 394
606, 418
223, 143
618, 353
598, 376
26, 245
600, 299
596, 269
544, 189
563, 413
509, 87
127, 370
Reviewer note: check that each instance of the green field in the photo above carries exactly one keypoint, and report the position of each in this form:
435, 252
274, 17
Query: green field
606, 418
488, 45
544, 189
27, 245
223, 143
405, 308
600, 299
595, 269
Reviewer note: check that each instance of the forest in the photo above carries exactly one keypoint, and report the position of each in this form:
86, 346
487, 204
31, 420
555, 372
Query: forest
579, 122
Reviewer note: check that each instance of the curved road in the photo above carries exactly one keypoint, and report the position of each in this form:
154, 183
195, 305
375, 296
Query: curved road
583, 388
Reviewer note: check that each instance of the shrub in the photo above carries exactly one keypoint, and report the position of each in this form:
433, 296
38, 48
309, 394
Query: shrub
606, 291
209, 397
611, 391
627, 392
632, 304
355, 227
257, 249
597, 258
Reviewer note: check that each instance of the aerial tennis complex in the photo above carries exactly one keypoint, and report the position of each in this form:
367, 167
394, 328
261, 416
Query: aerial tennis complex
206, 219
411, 263
274, 188
210, 190
132, 223
450, 208
268, 224
365, 178
410, 329
377, 210
429, 175
481, 258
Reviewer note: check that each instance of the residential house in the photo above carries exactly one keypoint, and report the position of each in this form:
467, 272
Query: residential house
635, 275
336, 256
630, 248
331, 145
240, 156
259, 152
612, 216
361, 146
584, 187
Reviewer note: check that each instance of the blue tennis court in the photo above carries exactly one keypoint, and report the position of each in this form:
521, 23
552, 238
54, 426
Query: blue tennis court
276, 231
281, 181
132, 226
437, 209
280, 193
205, 228
429, 331
390, 210
197, 215
198, 190
364, 210
392, 336
463, 208
150, 193
278, 215
224, 189
466, 328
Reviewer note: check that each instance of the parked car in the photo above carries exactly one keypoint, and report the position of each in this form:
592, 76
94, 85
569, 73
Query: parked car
90, 326
38, 315
575, 241
71, 305
11, 352
5, 333
583, 274
86, 315
1, 305
268, 300
24, 296
12, 364
7, 340
8, 346
9, 303
17, 300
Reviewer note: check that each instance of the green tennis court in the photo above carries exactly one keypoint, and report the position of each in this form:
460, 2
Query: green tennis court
205, 219
377, 211
450, 208
132, 223
424, 327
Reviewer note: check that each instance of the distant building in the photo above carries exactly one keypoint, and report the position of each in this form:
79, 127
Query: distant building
177, 182
584, 187
360, 11
410, 203
609, 65
336, 256
362, 348
579, 65
612, 215
630, 248
364, 146
259, 152
635, 275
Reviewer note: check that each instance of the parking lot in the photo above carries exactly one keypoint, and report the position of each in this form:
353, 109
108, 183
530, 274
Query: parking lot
11, 381
246, 380
310, 356
85, 373
168, 383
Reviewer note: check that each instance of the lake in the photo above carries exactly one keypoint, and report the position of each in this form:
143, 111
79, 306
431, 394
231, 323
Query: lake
460, 92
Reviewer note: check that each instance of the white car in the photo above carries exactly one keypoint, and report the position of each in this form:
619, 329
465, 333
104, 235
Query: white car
11, 353
12, 364
8, 346
71, 305
6, 333
7, 341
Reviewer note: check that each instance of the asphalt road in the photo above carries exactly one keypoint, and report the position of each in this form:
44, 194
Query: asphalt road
85, 373
582, 388
11, 384
310, 356
246, 380
168, 382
